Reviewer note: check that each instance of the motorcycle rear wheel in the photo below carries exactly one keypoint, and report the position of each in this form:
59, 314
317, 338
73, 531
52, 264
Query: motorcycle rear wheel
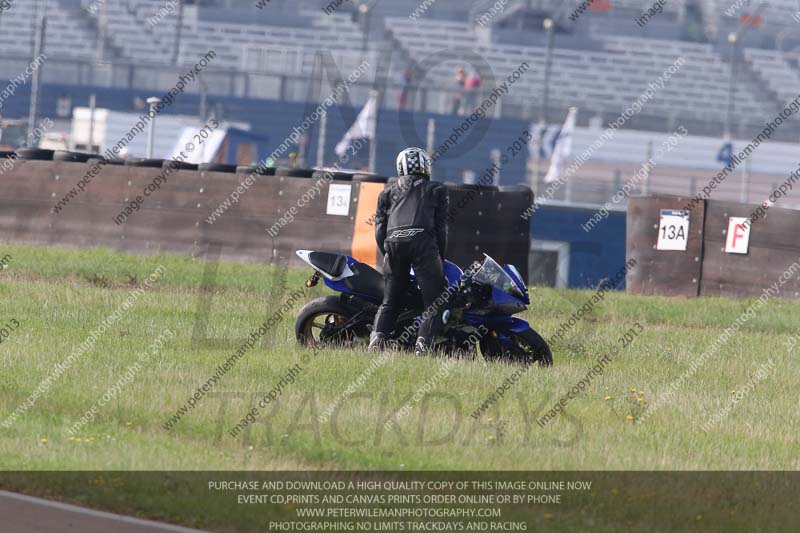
320, 323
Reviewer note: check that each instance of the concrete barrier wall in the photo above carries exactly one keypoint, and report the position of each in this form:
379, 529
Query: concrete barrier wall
705, 268
173, 219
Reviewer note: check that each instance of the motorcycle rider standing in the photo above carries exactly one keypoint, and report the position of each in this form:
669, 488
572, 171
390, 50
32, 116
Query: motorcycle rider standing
411, 231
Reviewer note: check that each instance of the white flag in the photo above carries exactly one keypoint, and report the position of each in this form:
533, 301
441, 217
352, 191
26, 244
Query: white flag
363, 127
563, 147
543, 141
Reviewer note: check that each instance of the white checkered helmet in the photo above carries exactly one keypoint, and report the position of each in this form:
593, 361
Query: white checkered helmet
413, 161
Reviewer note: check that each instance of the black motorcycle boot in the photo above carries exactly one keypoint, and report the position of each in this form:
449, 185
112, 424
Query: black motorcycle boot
421, 347
377, 342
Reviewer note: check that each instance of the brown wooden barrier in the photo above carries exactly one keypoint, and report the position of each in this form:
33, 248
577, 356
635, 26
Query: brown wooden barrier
173, 219
705, 268
774, 248
668, 273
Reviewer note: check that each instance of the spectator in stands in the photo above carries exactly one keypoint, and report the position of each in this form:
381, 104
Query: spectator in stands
472, 86
461, 78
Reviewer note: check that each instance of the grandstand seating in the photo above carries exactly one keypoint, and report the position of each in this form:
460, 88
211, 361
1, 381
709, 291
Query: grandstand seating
234, 39
66, 33
606, 79
599, 72
776, 72
774, 12
717, 14
129, 32
594, 67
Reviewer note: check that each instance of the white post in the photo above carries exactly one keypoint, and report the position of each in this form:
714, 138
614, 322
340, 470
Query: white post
648, 157
203, 97
431, 135
745, 194
537, 157
35, 77
323, 133
373, 143
102, 33
568, 192
92, 109
176, 51
497, 164
151, 134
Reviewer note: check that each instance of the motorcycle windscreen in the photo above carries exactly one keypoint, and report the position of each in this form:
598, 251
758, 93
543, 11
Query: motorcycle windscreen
492, 274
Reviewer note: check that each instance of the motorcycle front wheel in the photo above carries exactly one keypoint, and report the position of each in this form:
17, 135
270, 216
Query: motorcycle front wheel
527, 347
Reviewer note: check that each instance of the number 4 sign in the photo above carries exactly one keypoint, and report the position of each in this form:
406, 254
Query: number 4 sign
673, 230
738, 240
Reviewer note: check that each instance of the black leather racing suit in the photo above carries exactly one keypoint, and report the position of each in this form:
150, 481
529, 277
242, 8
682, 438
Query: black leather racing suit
411, 231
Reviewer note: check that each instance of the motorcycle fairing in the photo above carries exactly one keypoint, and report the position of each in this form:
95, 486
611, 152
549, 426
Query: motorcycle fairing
333, 267
453, 273
497, 322
343, 273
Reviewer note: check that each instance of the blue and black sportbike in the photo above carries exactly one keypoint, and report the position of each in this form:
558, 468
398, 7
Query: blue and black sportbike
478, 309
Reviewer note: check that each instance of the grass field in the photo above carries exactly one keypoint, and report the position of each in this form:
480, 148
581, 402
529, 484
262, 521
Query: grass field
59, 296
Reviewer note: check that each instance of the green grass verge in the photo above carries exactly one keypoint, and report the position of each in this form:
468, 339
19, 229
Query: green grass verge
59, 296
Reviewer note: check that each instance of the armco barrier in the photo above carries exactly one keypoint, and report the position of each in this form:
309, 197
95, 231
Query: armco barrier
173, 219
705, 268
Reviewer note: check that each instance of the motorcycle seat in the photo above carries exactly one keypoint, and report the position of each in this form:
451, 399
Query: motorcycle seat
365, 280
331, 264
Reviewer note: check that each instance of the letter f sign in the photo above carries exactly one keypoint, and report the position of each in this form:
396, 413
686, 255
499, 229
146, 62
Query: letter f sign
738, 241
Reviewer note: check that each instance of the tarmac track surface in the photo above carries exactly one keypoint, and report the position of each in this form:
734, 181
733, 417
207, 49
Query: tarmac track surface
25, 514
